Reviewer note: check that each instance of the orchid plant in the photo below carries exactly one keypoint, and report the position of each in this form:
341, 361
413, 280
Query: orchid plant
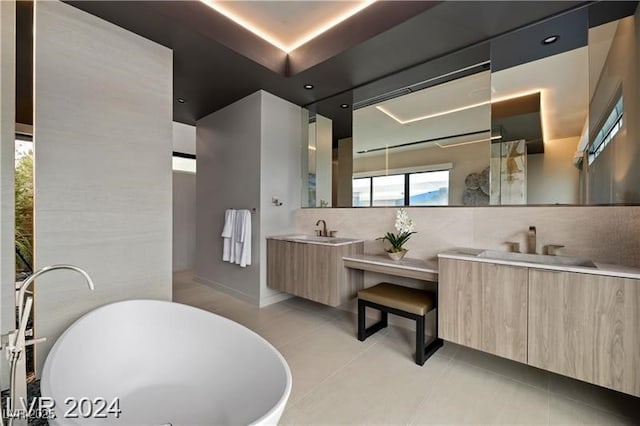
405, 227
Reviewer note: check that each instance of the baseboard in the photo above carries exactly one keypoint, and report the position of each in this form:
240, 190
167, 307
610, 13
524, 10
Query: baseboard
228, 290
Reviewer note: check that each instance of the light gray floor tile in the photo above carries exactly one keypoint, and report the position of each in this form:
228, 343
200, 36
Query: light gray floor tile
289, 326
318, 355
513, 370
564, 411
310, 306
340, 380
378, 387
466, 395
595, 396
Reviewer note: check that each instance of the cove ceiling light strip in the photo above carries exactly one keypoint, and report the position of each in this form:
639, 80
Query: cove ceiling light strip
270, 38
451, 145
464, 108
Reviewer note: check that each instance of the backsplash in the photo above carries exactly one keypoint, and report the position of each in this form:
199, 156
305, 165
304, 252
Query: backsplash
608, 234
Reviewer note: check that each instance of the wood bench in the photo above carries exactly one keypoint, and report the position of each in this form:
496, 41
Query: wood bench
405, 302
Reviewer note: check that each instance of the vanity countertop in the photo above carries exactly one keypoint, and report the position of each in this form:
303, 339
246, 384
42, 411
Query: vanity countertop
313, 239
407, 267
599, 269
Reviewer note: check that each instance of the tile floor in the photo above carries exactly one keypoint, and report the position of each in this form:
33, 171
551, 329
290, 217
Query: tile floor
339, 380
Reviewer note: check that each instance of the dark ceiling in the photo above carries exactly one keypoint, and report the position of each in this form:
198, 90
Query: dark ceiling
209, 74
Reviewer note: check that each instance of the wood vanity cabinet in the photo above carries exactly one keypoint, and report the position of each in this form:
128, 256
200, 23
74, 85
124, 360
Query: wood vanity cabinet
313, 271
581, 325
484, 306
587, 327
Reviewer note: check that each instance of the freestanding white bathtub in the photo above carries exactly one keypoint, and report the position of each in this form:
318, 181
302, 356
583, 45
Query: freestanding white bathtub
163, 363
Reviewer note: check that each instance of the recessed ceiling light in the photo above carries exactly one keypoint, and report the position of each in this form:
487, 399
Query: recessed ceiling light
550, 40
345, 106
308, 86
180, 100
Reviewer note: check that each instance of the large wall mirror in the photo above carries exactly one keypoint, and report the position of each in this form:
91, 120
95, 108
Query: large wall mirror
539, 116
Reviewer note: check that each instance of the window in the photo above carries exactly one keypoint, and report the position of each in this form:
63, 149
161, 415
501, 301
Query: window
609, 129
422, 188
361, 192
185, 163
429, 188
388, 190
23, 191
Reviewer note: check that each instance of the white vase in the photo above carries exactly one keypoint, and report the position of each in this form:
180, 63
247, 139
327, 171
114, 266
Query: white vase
397, 255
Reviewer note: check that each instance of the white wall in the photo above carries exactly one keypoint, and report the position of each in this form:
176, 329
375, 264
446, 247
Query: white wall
551, 176
7, 172
324, 159
184, 138
247, 153
7, 167
280, 158
344, 184
184, 202
184, 221
103, 140
614, 176
228, 163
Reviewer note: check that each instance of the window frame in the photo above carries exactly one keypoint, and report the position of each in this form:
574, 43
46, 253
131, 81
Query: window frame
177, 154
406, 174
604, 136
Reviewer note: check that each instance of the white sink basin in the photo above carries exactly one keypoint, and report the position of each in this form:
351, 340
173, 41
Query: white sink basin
537, 258
314, 239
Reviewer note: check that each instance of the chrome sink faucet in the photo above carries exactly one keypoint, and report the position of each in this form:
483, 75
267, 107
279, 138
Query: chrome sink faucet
323, 231
531, 240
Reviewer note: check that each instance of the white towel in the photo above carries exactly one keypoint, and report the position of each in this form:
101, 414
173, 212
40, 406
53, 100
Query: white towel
242, 238
227, 235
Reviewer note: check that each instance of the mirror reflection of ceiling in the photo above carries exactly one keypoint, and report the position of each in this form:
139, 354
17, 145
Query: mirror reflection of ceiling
288, 24
457, 107
453, 96
461, 106
600, 39
563, 81
516, 119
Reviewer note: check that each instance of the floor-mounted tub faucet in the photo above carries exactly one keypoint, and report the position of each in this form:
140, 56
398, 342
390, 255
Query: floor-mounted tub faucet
14, 342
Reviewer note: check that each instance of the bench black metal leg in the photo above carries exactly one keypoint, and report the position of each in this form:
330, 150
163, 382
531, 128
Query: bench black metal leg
361, 320
437, 342
363, 331
420, 352
432, 348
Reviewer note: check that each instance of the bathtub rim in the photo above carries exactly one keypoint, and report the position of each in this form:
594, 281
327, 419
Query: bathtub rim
45, 388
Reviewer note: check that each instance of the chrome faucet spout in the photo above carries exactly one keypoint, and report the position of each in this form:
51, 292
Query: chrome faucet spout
14, 342
22, 289
323, 232
531, 240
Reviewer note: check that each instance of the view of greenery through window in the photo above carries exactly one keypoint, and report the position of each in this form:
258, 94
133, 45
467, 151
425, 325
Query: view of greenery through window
24, 206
